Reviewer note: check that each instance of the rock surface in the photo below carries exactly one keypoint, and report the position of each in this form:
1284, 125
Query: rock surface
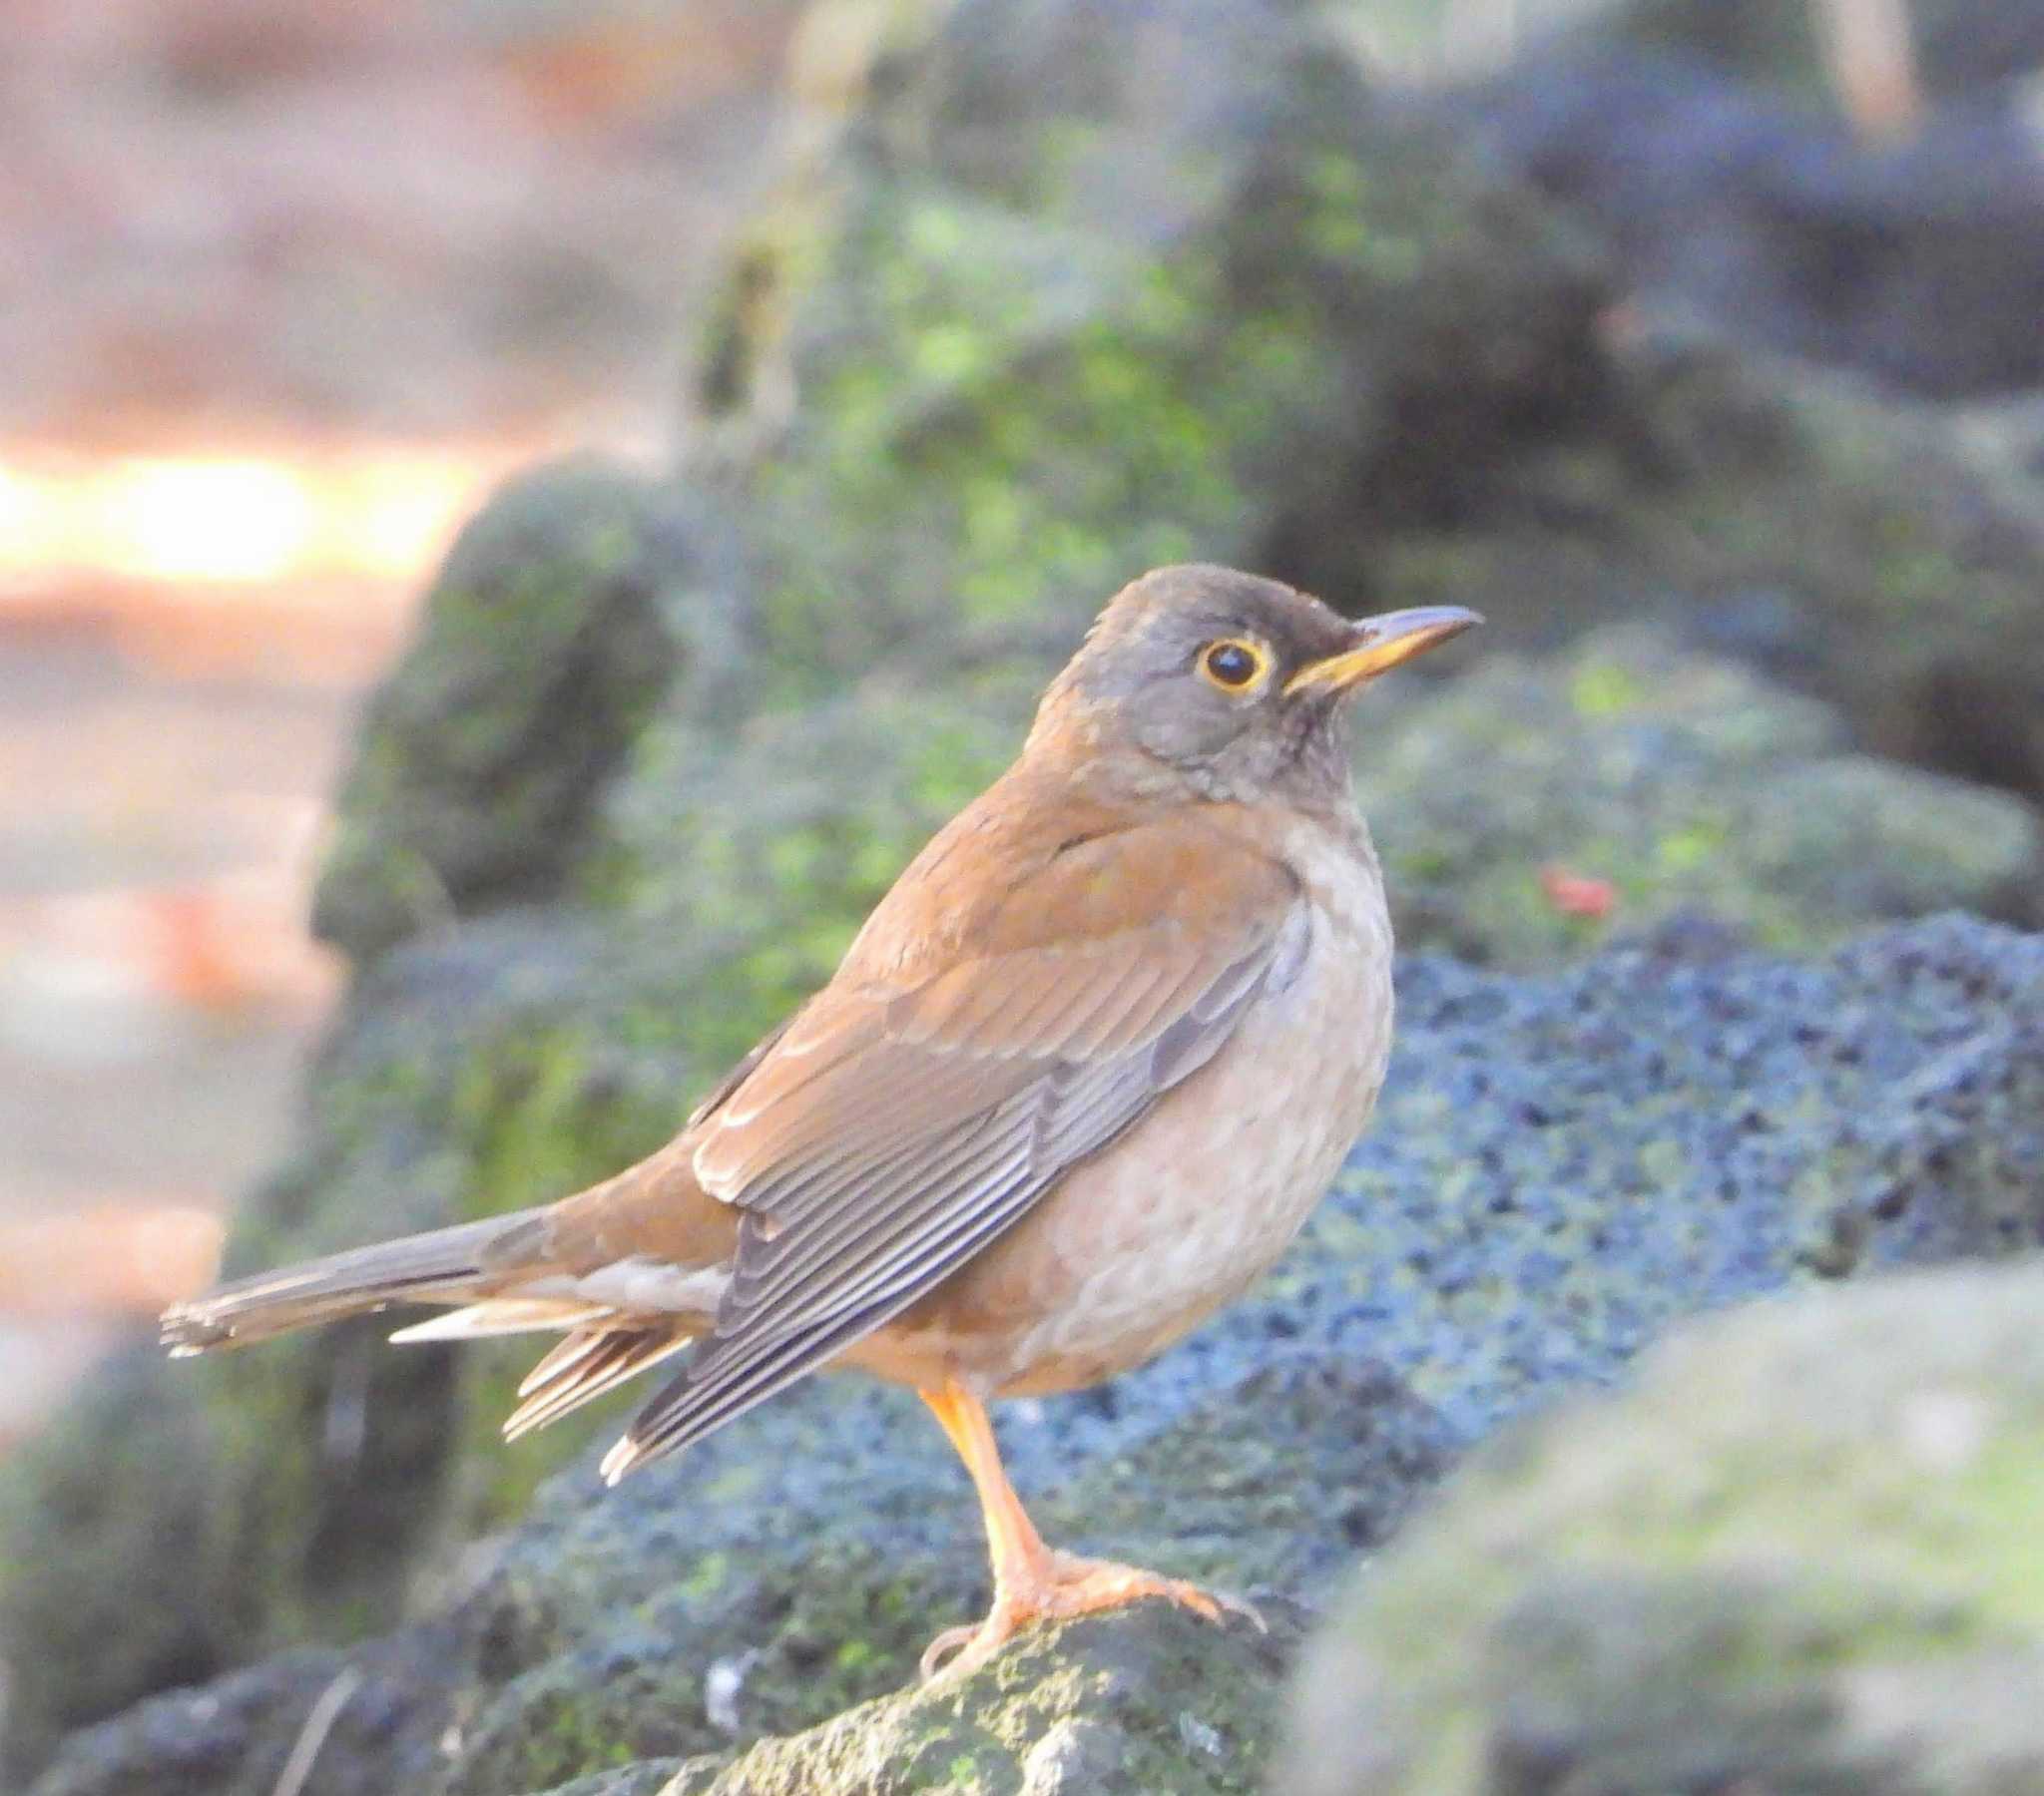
1799, 1554
1883, 554
545, 645
1059, 292
1678, 782
1959, 46
1563, 1166
1918, 260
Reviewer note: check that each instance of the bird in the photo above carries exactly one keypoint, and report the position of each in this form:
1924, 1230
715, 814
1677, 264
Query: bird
1075, 1084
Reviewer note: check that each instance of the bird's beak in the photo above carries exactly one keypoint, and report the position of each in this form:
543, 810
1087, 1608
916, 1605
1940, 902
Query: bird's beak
1383, 643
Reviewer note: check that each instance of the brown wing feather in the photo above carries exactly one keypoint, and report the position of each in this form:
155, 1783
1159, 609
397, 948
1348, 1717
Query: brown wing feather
908, 1119
583, 1367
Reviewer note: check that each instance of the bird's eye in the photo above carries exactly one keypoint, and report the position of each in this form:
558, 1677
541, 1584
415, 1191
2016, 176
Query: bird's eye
1233, 665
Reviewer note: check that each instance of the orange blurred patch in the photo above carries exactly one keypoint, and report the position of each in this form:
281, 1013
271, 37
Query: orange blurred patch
115, 1259
212, 948
233, 944
1578, 894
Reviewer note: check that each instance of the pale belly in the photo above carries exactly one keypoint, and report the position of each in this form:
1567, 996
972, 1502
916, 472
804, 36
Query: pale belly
1135, 1247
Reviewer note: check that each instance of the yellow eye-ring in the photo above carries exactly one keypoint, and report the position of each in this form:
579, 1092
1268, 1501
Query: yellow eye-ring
1233, 665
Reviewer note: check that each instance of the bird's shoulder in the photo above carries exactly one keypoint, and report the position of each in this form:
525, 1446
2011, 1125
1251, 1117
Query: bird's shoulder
1029, 899
1033, 866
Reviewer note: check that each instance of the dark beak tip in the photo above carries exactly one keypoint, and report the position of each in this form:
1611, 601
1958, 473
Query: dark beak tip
1430, 623
1450, 620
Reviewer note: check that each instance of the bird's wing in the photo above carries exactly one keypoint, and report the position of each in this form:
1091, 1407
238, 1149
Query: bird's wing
898, 1127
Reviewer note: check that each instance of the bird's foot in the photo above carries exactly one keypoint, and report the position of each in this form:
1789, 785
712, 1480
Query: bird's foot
1059, 1586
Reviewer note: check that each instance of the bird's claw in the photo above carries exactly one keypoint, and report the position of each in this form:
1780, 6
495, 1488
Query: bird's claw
1064, 1586
952, 1639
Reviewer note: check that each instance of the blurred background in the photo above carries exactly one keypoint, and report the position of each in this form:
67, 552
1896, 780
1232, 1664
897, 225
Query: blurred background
288, 288
1694, 340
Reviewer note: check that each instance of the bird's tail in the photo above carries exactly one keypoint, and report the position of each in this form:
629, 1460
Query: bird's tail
462, 1264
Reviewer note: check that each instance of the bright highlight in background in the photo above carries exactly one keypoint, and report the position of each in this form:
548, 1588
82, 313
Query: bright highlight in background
381, 511
204, 520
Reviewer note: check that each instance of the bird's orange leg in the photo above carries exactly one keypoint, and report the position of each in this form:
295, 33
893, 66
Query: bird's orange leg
1033, 1582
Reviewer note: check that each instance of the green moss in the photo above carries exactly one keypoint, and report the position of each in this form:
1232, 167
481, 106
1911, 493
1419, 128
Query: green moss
1019, 410
1792, 1496
1603, 689
565, 1734
707, 1577
543, 649
1678, 782
1103, 1702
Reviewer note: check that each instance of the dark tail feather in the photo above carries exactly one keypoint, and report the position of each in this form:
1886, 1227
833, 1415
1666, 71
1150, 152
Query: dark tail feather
448, 1265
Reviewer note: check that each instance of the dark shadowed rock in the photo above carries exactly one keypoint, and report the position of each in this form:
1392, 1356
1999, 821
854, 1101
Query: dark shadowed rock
1798, 1555
364, 1724
1880, 553
548, 633
1959, 46
1919, 262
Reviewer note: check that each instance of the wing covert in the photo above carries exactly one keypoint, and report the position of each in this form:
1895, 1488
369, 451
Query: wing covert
895, 1131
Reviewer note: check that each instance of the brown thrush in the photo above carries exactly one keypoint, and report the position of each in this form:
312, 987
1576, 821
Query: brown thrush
1077, 1083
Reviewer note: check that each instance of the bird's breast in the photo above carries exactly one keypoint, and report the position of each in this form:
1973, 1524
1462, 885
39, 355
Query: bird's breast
1135, 1246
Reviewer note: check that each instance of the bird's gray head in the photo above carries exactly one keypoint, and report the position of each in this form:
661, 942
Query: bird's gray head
1233, 685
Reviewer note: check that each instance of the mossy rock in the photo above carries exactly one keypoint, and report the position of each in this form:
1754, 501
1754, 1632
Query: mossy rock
746, 1601
1677, 783
1799, 1554
1150, 1700
1026, 324
1075, 294
1883, 554
294, 1491
752, 1605
549, 631
1562, 1169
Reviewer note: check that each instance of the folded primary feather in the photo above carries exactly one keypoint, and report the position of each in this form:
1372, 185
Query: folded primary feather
905, 1121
